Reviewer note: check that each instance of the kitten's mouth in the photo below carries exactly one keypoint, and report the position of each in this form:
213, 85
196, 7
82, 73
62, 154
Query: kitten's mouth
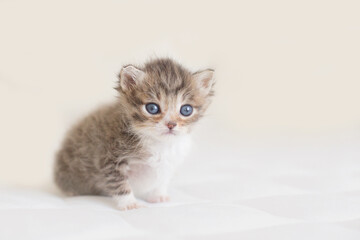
170, 132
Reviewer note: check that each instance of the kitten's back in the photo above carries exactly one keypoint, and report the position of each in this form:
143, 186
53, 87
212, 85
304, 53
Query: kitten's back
86, 144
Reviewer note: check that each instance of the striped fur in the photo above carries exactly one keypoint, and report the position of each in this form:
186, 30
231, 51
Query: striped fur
121, 150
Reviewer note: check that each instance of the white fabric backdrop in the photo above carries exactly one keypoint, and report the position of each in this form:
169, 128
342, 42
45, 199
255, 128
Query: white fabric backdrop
227, 189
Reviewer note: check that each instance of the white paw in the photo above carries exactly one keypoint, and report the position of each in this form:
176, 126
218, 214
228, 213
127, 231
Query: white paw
158, 198
130, 206
127, 202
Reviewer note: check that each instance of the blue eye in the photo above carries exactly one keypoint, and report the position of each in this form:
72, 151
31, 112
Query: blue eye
186, 110
152, 108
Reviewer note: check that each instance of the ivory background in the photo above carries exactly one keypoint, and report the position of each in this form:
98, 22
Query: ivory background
287, 71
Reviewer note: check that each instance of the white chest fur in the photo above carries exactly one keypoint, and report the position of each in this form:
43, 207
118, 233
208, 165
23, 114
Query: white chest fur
154, 173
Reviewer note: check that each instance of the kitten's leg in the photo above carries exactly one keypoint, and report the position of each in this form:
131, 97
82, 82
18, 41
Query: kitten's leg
159, 193
117, 186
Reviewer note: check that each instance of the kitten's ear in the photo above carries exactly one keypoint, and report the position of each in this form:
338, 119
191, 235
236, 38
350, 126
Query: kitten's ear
205, 80
130, 76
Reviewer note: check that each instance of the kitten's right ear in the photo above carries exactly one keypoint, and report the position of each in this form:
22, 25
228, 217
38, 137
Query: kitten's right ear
130, 76
205, 80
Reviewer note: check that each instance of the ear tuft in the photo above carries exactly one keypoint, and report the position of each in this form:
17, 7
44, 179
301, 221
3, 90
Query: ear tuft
205, 80
130, 76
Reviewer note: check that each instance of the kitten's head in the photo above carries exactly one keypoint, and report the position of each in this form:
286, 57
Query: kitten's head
163, 99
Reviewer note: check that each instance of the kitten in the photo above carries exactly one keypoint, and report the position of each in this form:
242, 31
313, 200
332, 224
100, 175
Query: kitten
131, 148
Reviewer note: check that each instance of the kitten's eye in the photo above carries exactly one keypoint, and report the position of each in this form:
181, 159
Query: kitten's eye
152, 108
186, 110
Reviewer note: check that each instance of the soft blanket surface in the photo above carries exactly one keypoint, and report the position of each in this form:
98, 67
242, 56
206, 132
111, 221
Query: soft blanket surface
223, 191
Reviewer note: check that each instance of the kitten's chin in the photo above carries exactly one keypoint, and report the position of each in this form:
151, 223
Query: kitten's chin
159, 135
169, 133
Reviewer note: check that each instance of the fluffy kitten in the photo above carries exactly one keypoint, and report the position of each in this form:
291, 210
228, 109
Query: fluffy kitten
132, 147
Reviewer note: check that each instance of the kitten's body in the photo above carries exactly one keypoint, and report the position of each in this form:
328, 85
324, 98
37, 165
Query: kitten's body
121, 150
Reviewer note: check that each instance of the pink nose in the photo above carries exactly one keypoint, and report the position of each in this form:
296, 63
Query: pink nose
171, 125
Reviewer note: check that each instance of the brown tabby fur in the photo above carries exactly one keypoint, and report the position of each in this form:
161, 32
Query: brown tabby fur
96, 152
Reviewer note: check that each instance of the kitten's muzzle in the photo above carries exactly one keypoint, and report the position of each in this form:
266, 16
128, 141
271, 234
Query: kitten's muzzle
171, 125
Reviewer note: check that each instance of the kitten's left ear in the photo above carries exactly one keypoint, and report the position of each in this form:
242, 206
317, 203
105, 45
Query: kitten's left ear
205, 80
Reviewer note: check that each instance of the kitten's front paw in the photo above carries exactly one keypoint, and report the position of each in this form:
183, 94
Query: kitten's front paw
130, 206
127, 202
158, 198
